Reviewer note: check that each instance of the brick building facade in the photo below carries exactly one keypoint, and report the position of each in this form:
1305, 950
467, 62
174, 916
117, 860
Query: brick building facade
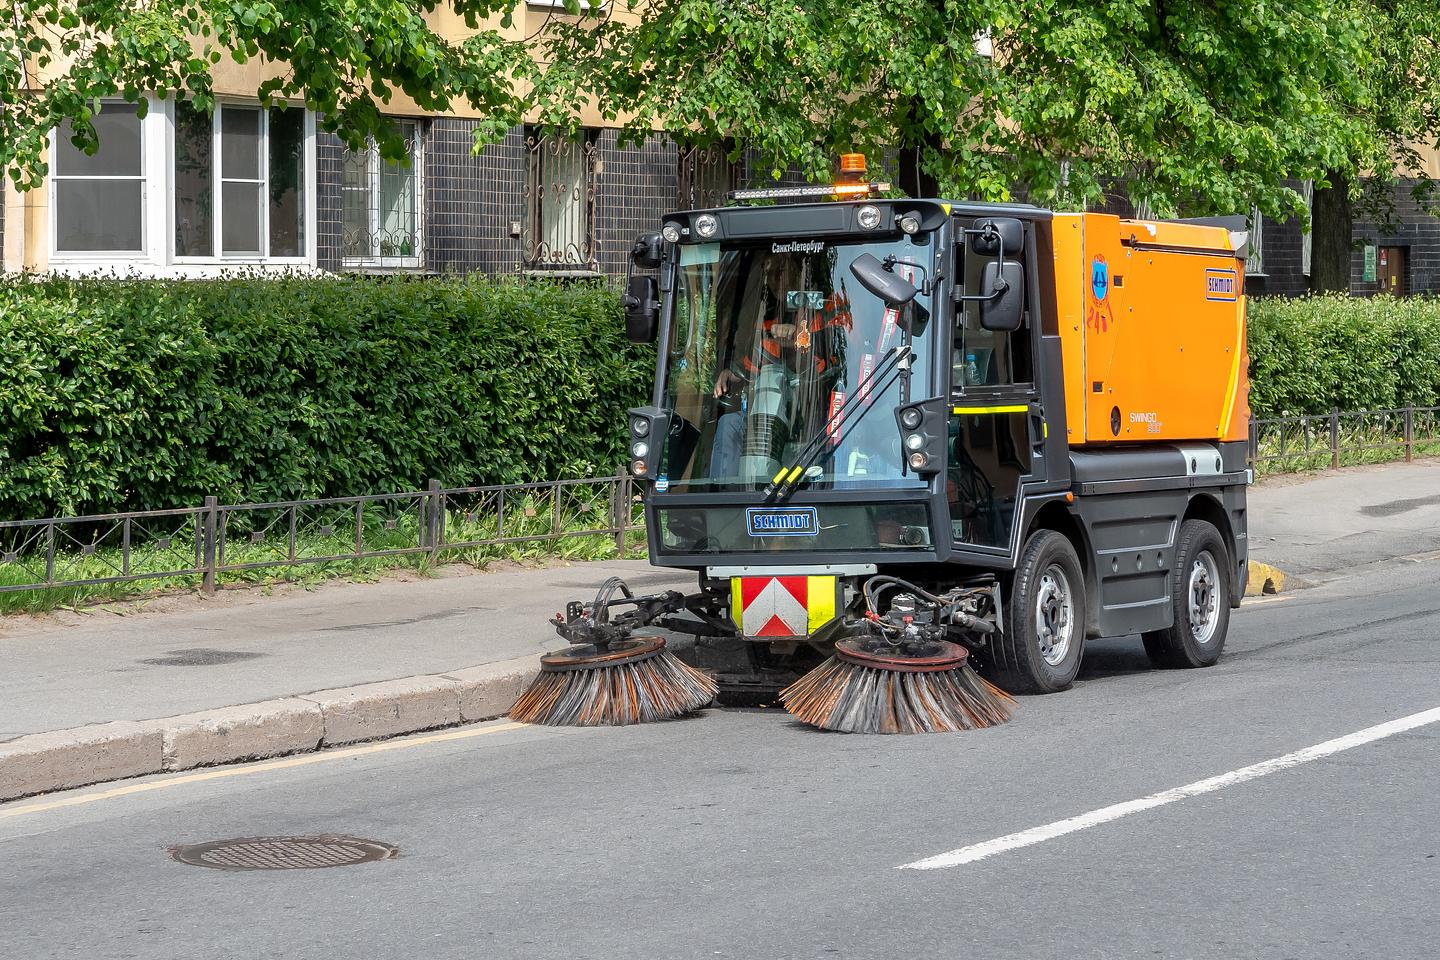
166, 195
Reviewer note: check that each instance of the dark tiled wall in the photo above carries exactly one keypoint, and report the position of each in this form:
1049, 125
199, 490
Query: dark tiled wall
472, 200
1413, 228
634, 188
329, 152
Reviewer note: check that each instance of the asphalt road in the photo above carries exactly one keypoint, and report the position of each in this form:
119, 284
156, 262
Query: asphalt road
742, 834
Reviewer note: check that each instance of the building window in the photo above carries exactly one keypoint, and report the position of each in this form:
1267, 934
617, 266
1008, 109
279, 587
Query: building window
99, 199
259, 181
560, 206
380, 215
1307, 190
1255, 261
706, 177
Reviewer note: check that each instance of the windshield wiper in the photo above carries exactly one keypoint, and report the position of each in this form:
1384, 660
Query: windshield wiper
788, 480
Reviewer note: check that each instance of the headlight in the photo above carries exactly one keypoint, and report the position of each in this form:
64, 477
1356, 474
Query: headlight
910, 418
912, 442
706, 225
671, 232
868, 216
639, 449
910, 224
918, 460
641, 427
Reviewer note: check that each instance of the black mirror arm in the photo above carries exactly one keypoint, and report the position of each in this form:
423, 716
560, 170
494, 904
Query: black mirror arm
890, 262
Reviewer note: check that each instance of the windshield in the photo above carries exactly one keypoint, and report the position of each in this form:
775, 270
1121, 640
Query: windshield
767, 344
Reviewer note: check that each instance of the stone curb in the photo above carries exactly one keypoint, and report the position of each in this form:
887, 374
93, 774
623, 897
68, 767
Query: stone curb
64, 759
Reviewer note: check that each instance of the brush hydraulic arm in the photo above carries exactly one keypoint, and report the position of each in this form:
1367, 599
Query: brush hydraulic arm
592, 623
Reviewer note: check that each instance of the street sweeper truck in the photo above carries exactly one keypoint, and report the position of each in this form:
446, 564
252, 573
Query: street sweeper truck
919, 452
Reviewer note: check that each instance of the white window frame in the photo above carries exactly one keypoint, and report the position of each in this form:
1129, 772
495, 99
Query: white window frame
148, 129
157, 229
1307, 190
1255, 259
217, 180
372, 175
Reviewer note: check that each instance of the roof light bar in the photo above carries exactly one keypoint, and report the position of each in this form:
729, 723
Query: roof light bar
816, 190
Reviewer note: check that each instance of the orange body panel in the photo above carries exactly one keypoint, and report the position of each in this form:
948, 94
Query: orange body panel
1152, 327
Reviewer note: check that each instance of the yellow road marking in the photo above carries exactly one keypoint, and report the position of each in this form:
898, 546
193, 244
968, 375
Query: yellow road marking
42, 806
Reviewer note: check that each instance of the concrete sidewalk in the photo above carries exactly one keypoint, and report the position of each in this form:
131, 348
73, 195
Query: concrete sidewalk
245, 674
1320, 525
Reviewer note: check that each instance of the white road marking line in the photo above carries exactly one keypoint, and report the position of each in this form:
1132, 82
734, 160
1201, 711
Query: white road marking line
1277, 598
1025, 838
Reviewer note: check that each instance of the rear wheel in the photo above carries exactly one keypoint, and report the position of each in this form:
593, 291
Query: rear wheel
1201, 601
1040, 649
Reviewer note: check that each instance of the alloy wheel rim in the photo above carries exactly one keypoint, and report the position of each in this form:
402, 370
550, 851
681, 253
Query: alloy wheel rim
1054, 615
1203, 596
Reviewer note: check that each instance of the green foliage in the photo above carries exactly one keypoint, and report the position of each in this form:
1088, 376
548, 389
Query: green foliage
1202, 106
1310, 354
344, 60
142, 394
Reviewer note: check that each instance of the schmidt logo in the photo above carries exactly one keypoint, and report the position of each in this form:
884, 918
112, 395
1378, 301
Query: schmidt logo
1221, 285
790, 522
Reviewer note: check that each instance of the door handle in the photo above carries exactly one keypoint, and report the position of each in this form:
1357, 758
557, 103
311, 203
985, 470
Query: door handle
1039, 432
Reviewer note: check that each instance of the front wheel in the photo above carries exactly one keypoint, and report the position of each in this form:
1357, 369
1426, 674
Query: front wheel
1201, 600
1039, 651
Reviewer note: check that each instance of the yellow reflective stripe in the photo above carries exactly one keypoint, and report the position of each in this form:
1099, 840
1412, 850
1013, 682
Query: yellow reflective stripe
736, 611
795, 474
779, 476
1004, 408
820, 601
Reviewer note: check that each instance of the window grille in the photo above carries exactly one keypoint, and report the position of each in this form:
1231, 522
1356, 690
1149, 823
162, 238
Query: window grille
559, 231
381, 224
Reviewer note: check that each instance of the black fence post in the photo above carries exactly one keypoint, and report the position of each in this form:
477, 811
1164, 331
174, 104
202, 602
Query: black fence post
1252, 447
620, 509
1409, 434
1334, 438
207, 582
435, 527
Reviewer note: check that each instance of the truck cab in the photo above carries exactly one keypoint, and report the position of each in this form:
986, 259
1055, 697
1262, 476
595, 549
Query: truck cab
995, 402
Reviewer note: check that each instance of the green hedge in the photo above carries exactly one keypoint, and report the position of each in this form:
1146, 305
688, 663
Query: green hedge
118, 394
1313, 353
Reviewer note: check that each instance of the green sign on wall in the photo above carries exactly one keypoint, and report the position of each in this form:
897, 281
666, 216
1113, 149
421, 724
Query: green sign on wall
1370, 259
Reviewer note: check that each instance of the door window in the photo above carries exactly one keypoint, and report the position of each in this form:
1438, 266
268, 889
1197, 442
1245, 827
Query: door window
985, 358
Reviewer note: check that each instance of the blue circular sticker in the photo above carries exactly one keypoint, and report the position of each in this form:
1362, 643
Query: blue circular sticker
1099, 278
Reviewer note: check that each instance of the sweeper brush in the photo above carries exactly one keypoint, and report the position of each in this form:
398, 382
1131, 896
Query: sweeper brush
614, 685
893, 672
607, 678
870, 686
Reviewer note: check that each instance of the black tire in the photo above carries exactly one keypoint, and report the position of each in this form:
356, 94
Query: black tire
1049, 584
1202, 575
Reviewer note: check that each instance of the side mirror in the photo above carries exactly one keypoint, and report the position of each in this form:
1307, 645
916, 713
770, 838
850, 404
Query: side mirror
998, 233
642, 310
895, 291
1004, 295
647, 251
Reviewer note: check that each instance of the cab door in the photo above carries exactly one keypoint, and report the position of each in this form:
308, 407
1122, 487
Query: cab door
997, 426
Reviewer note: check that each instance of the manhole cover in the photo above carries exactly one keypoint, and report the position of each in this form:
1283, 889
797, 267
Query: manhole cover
283, 853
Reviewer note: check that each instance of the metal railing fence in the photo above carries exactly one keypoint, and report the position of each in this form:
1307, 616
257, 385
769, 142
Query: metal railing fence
206, 541
1343, 438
